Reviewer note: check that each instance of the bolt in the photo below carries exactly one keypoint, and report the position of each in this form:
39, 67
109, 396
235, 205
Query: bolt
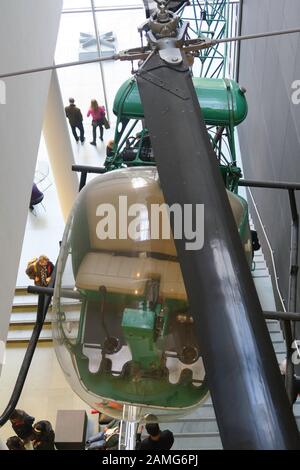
174, 59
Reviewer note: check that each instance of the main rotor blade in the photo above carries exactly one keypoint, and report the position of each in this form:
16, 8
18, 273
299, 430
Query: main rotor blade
138, 53
247, 390
214, 42
59, 66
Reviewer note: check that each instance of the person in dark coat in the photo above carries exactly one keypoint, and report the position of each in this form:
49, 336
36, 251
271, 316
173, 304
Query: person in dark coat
44, 436
22, 424
36, 196
15, 443
157, 440
75, 119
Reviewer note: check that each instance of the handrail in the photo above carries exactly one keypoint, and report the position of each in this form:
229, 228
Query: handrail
84, 170
288, 326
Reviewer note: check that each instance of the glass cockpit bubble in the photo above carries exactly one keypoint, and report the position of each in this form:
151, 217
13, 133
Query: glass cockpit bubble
123, 331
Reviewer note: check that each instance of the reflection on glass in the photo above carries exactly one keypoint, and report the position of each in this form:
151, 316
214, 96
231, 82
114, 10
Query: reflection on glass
123, 330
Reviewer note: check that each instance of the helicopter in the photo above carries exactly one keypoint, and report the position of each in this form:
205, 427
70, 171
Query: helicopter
149, 309
136, 344
152, 350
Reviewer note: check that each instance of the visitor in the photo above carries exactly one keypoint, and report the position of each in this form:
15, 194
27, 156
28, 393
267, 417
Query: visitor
75, 120
22, 424
98, 114
157, 440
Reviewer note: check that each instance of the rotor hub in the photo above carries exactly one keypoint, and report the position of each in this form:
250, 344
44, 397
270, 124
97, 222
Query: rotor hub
163, 23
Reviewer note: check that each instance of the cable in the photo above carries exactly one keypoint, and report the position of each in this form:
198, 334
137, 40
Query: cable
204, 45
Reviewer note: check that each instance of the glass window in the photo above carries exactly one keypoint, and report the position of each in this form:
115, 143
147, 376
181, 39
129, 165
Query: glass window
76, 4
82, 82
118, 3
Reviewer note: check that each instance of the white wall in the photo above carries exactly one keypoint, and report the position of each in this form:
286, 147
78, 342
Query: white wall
28, 32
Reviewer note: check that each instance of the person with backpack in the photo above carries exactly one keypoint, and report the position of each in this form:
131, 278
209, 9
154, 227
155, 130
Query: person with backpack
40, 270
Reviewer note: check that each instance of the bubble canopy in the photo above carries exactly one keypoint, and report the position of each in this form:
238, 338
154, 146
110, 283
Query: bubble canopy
122, 328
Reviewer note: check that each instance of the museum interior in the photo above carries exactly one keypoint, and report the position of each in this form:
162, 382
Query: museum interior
150, 198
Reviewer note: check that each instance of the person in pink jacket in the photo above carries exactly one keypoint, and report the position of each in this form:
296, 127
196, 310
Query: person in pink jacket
98, 114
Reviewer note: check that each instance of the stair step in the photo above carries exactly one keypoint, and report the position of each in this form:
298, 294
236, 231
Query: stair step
31, 299
274, 327
276, 337
203, 425
18, 327
29, 318
24, 335
205, 441
21, 290
279, 348
26, 307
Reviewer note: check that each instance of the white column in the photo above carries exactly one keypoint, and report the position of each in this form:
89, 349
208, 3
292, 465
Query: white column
28, 33
59, 148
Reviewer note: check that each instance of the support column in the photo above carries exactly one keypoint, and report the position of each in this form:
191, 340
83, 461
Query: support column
59, 148
20, 128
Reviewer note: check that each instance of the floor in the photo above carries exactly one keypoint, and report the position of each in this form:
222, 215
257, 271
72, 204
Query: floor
45, 390
45, 225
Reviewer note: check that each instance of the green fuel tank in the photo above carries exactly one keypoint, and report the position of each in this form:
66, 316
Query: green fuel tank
222, 101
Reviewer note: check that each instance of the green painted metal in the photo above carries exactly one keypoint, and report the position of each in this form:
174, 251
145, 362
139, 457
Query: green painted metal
223, 104
222, 101
208, 19
139, 330
144, 381
140, 390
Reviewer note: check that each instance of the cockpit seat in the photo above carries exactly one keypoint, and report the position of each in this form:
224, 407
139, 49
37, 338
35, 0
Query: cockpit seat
128, 275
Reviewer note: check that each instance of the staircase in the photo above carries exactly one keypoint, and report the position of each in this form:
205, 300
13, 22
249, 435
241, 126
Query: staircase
199, 430
23, 318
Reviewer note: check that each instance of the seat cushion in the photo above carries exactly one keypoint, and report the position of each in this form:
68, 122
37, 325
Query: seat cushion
128, 275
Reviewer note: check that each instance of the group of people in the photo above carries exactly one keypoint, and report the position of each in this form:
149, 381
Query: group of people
75, 118
30, 435
108, 439
40, 435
